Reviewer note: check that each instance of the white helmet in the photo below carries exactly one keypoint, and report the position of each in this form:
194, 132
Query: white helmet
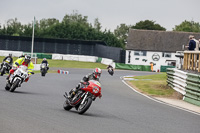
97, 73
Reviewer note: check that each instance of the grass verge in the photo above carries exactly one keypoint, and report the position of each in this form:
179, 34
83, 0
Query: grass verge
153, 85
67, 64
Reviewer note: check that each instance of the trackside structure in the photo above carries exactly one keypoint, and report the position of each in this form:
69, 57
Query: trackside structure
159, 47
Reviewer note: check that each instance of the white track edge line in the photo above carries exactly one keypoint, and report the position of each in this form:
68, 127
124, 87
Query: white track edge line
193, 112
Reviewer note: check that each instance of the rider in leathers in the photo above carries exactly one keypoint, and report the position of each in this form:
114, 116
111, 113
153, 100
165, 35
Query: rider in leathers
46, 63
94, 76
22, 61
8, 59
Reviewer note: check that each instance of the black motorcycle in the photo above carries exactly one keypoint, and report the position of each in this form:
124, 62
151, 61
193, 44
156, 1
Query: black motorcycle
43, 69
110, 71
5, 68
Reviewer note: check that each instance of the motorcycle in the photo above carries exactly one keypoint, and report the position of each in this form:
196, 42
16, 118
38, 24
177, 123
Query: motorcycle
110, 71
43, 69
17, 78
5, 68
83, 98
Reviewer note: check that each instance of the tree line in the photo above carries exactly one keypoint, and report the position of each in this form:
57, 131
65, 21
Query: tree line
76, 27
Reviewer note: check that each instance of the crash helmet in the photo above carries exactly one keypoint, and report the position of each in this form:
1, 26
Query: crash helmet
44, 59
27, 58
10, 55
97, 73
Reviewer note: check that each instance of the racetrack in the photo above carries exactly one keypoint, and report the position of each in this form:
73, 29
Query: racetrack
36, 107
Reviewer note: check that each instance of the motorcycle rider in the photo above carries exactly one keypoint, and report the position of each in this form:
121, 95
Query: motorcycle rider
8, 59
46, 63
93, 76
22, 61
21, 56
109, 66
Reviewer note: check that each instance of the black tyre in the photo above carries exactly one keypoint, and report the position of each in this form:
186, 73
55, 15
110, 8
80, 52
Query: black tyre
43, 74
3, 71
14, 85
85, 106
66, 106
7, 87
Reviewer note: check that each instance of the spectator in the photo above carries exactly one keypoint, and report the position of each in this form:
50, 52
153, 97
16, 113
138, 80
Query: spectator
197, 44
151, 64
192, 43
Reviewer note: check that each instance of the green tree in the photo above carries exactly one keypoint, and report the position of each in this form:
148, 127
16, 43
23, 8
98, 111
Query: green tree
148, 25
121, 32
188, 26
97, 24
14, 27
73, 26
27, 30
75, 17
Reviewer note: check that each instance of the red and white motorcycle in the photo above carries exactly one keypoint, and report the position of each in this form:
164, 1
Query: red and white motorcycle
17, 78
83, 97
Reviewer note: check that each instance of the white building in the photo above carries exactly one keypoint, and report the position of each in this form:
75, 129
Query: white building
159, 47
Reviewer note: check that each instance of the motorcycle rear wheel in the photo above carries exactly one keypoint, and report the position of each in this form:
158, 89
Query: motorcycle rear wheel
14, 85
66, 106
85, 106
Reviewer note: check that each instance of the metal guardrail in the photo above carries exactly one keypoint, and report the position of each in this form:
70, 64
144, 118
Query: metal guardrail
185, 83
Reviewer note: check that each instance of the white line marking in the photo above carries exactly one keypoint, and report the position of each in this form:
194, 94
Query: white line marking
196, 113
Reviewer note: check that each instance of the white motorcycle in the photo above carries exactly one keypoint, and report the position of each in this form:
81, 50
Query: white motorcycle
17, 78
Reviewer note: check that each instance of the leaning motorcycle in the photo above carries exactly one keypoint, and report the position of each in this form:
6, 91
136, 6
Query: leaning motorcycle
5, 68
43, 69
17, 78
83, 97
110, 71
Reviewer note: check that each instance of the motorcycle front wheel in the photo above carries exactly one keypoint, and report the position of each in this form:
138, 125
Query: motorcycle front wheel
43, 74
3, 70
85, 106
66, 106
14, 85
7, 87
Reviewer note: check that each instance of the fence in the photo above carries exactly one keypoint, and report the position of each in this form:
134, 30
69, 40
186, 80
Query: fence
185, 83
191, 60
60, 46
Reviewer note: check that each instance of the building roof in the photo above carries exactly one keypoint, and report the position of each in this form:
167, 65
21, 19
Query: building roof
162, 41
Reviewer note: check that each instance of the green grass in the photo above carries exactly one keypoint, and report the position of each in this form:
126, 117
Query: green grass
73, 64
67, 64
154, 85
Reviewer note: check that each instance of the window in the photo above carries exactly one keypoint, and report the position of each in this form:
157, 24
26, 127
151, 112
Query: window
140, 53
167, 55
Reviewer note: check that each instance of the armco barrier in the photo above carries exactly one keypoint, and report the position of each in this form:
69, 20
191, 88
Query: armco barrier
14, 53
80, 58
57, 56
40, 55
185, 83
132, 67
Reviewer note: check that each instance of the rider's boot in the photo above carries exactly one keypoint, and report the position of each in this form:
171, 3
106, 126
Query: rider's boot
7, 78
72, 93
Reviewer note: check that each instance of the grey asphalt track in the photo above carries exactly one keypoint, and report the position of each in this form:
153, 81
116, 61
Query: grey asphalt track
36, 107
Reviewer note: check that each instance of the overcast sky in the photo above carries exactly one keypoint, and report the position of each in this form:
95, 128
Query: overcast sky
110, 13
